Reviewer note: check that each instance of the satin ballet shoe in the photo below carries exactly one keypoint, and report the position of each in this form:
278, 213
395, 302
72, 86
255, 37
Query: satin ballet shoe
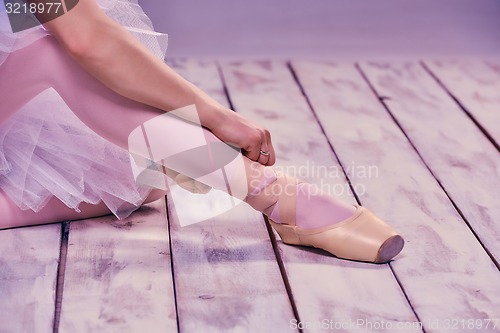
361, 237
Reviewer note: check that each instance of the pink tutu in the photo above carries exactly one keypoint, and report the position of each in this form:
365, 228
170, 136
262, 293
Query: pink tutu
46, 151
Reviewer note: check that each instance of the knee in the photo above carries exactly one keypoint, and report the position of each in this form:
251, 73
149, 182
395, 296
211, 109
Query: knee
51, 64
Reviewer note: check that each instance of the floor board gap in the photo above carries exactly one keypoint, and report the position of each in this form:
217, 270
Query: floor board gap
315, 115
172, 265
281, 266
462, 107
400, 284
224, 86
60, 274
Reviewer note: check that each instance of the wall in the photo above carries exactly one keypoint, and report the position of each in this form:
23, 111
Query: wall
328, 28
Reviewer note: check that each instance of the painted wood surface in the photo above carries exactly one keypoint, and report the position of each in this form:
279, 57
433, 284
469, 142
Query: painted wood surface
118, 274
494, 65
443, 269
28, 276
476, 85
226, 275
326, 290
459, 155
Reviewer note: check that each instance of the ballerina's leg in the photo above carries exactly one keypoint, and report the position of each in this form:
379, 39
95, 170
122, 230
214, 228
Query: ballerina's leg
44, 64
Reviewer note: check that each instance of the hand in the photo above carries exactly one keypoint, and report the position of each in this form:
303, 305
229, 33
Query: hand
251, 138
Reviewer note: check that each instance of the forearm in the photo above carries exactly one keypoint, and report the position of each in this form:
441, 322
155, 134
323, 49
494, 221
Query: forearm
118, 60
112, 55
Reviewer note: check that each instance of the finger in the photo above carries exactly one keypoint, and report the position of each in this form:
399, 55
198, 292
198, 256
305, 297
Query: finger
263, 158
251, 153
272, 156
253, 149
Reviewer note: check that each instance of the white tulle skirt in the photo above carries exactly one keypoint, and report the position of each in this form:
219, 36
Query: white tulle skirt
46, 151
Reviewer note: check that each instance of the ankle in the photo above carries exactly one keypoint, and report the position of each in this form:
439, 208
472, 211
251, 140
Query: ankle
280, 198
260, 195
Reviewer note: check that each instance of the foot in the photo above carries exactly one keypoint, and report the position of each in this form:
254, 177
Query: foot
303, 215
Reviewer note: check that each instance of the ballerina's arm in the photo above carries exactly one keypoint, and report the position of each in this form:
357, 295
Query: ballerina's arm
112, 55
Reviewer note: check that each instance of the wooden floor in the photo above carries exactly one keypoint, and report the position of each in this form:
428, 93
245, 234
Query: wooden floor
417, 142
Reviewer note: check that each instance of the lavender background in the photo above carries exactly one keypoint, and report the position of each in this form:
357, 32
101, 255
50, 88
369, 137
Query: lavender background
328, 28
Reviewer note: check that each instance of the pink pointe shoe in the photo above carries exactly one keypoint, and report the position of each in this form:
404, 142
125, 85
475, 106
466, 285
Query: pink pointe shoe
360, 237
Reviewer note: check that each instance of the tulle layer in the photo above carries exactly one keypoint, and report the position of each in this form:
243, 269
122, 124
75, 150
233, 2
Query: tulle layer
52, 153
46, 151
127, 13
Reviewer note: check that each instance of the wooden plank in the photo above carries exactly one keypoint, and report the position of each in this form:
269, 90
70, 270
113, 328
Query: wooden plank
226, 275
461, 158
443, 269
324, 288
476, 86
28, 277
494, 65
118, 274
202, 73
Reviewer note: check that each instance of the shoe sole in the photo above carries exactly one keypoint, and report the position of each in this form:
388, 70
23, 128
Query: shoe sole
389, 249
